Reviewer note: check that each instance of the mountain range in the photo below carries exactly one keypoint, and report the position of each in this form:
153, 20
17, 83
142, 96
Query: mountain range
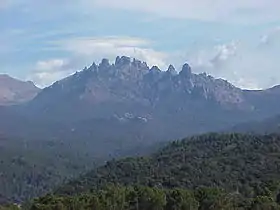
106, 99
129, 87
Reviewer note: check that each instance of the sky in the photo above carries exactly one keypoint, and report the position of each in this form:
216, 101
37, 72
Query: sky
46, 40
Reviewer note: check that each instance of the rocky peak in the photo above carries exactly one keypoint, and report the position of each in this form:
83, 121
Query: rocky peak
117, 61
104, 63
171, 70
137, 63
140, 65
122, 61
186, 71
93, 67
155, 70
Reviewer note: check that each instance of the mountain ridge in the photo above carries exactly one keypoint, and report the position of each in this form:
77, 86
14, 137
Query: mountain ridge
135, 81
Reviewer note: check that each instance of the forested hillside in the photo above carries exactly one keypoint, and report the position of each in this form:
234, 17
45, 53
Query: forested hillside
211, 171
234, 162
32, 168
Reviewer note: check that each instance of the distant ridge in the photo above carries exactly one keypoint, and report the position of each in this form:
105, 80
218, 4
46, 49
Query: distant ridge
13, 91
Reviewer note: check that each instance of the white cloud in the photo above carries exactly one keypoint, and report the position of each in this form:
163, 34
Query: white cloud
215, 10
46, 72
223, 53
50, 65
246, 66
95, 48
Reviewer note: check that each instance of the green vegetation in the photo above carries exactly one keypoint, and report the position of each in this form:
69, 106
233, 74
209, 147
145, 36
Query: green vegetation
9, 207
147, 198
234, 162
33, 168
211, 171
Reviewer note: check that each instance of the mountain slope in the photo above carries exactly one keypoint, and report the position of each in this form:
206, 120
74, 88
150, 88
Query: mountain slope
31, 168
230, 161
264, 101
13, 91
269, 125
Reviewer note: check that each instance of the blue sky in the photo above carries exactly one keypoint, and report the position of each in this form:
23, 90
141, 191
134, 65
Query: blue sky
46, 40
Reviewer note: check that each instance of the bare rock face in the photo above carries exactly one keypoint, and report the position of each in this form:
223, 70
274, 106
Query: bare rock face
13, 91
171, 70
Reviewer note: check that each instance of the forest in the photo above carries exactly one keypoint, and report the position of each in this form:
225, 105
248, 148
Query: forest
210, 171
147, 198
233, 162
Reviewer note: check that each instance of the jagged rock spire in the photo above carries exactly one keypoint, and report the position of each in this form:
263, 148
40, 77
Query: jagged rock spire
155, 70
104, 63
124, 60
171, 70
93, 67
186, 70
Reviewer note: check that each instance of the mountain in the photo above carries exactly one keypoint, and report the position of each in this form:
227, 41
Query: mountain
264, 100
129, 93
130, 86
234, 162
13, 91
175, 103
118, 107
129, 89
